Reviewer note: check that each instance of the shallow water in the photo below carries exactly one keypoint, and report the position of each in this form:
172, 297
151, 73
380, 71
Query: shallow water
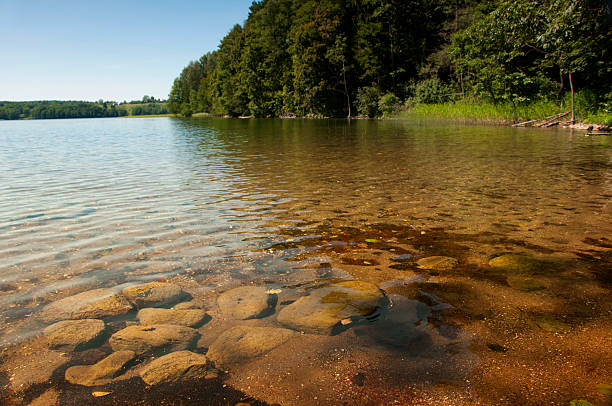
213, 204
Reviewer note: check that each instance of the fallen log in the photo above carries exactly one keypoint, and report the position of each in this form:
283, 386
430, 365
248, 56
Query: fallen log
544, 120
551, 119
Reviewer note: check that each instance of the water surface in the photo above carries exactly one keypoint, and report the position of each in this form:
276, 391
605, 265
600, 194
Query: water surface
213, 204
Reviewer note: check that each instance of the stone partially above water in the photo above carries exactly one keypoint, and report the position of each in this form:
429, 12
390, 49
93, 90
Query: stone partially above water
327, 307
247, 302
241, 343
154, 294
71, 335
100, 373
153, 339
175, 367
437, 263
92, 304
186, 317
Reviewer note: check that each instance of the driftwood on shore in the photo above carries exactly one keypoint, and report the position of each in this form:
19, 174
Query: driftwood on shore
545, 122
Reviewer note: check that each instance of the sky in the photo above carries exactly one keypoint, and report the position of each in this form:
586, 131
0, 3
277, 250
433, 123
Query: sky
111, 50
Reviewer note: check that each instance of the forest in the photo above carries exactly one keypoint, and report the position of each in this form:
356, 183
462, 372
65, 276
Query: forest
372, 57
80, 109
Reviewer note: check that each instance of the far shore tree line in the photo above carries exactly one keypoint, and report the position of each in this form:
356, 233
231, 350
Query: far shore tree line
341, 58
54, 109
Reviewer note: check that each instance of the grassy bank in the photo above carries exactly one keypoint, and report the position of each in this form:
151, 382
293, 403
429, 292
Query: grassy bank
474, 111
145, 109
152, 115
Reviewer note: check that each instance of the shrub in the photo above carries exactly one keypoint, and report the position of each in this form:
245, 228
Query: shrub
367, 101
388, 104
430, 91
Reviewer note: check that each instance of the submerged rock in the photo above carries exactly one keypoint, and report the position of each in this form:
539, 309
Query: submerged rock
326, 306
100, 373
154, 294
187, 305
187, 317
154, 338
515, 263
399, 327
525, 284
550, 324
71, 335
26, 368
49, 397
604, 389
581, 403
437, 263
93, 304
247, 302
175, 367
243, 342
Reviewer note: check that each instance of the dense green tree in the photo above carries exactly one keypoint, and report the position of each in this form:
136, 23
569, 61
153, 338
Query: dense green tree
324, 58
515, 52
266, 62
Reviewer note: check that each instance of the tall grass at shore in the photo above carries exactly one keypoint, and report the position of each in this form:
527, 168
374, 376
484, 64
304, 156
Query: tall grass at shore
478, 111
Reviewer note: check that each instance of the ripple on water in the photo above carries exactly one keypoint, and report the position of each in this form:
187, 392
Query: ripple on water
212, 205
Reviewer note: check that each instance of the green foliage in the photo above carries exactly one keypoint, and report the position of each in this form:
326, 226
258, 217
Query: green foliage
58, 109
308, 58
389, 104
430, 91
142, 109
367, 101
479, 111
517, 52
323, 58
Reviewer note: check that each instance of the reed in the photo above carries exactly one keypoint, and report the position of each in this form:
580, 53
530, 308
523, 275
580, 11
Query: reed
477, 111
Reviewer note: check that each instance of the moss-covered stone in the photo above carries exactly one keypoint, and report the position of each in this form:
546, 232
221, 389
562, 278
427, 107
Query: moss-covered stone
515, 263
437, 263
327, 305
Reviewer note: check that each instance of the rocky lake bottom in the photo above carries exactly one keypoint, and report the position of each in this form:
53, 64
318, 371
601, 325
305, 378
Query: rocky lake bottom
197, 272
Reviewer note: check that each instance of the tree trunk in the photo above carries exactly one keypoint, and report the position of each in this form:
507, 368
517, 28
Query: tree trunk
456, 15
348, 97
572, 88
561, 86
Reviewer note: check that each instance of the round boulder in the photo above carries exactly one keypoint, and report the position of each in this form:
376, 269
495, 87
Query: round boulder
243, 342
100, 373
175, 367
152, 339
154, 294
92, 304
180, 317
73, 335
247, 302
330, 307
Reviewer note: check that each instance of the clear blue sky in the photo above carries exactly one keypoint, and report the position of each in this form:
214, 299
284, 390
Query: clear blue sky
111, 50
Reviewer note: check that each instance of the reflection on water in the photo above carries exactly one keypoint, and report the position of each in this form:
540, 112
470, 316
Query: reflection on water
285, 206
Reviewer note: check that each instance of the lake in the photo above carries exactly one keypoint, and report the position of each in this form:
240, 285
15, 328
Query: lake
311, 261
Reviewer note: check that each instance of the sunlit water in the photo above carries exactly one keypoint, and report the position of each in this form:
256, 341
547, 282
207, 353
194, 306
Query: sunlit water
212, 204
